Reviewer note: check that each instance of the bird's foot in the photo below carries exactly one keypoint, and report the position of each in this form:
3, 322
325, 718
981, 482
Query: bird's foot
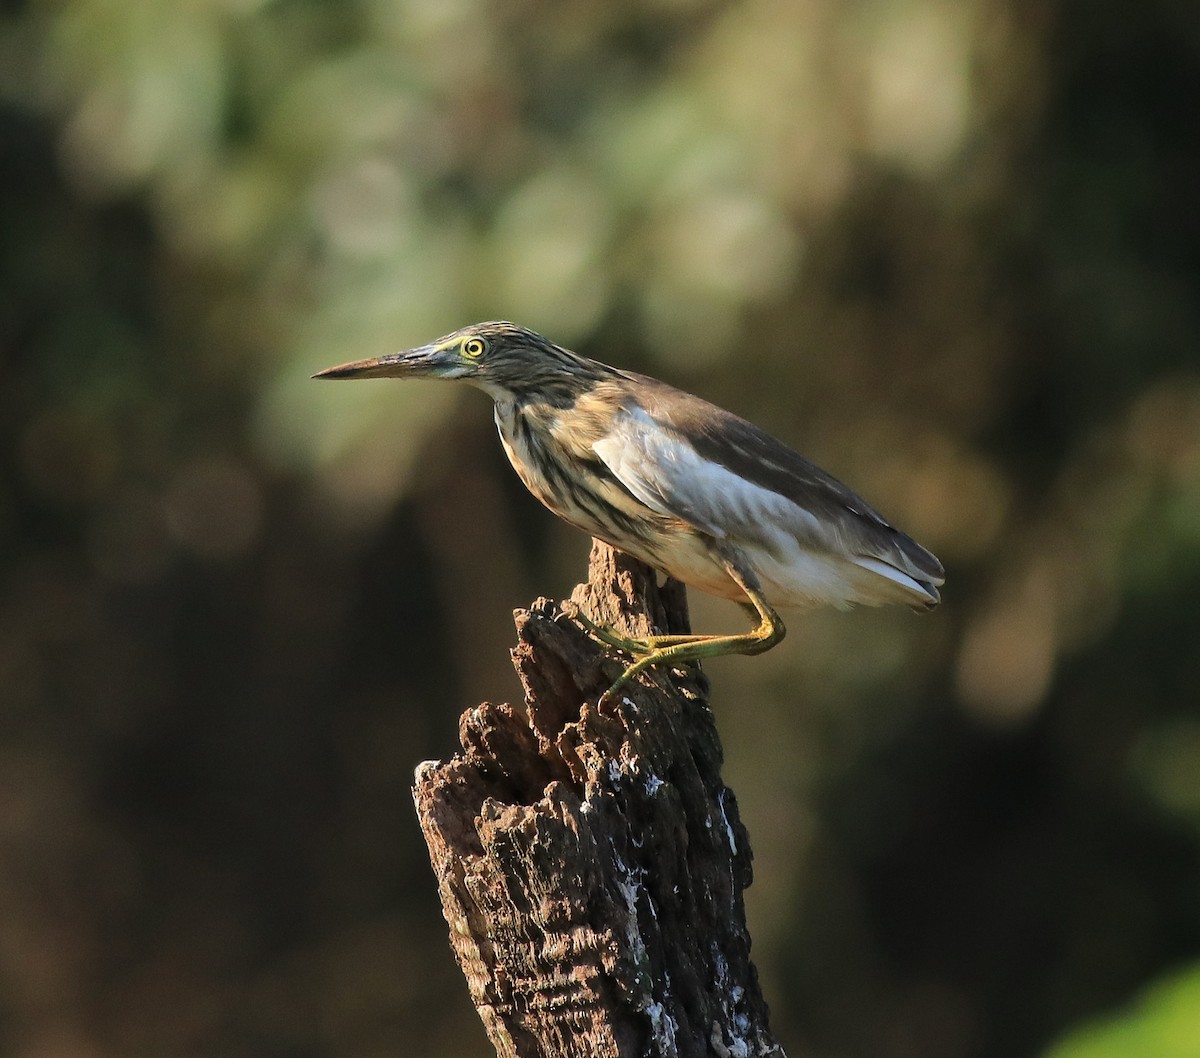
607, 635
648, 650
637, 645
679, 650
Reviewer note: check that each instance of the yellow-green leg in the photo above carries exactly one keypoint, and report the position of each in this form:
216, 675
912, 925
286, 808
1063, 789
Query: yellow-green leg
677, 649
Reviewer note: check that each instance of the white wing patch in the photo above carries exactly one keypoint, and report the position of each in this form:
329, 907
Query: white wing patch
666, 473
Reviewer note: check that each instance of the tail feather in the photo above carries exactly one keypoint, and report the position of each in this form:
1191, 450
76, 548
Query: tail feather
902, 587
914, 560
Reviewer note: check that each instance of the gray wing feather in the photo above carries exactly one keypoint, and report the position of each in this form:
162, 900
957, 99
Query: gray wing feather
697, 469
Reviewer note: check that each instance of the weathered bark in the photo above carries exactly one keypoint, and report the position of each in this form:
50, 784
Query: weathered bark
590, 861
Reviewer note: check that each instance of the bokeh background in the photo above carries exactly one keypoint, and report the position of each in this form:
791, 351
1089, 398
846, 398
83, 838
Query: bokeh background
948, 248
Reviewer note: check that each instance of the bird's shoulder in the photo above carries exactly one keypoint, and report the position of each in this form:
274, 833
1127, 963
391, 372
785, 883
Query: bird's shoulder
578, 427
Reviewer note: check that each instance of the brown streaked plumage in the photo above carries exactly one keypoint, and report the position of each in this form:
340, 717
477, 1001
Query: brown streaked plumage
684, 485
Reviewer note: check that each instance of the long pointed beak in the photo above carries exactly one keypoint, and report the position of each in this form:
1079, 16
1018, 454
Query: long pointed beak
412, 363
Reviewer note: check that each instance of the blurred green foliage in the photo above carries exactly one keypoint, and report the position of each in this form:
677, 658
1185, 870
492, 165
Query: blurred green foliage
1164, 1024
949, 250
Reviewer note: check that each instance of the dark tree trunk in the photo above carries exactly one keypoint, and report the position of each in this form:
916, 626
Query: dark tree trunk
590, 861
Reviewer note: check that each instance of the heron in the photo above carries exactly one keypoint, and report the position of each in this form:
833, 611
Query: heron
693, 490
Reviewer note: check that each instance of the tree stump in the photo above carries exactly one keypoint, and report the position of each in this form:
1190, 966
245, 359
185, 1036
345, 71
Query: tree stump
590, 861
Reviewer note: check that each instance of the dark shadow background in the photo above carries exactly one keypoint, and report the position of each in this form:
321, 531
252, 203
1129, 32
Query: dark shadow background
951, 251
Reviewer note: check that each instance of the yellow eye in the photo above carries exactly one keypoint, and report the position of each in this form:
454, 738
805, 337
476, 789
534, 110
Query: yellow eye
474, 348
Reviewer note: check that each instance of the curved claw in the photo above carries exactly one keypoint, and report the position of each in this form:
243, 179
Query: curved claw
568, 610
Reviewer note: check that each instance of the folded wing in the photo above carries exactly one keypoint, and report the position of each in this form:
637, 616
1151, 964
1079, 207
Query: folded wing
731, 480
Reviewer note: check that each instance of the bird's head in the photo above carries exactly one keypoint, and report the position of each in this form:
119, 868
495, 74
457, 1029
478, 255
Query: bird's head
510, 363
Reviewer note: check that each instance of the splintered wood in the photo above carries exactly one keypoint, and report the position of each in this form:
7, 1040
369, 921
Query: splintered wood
590, 861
